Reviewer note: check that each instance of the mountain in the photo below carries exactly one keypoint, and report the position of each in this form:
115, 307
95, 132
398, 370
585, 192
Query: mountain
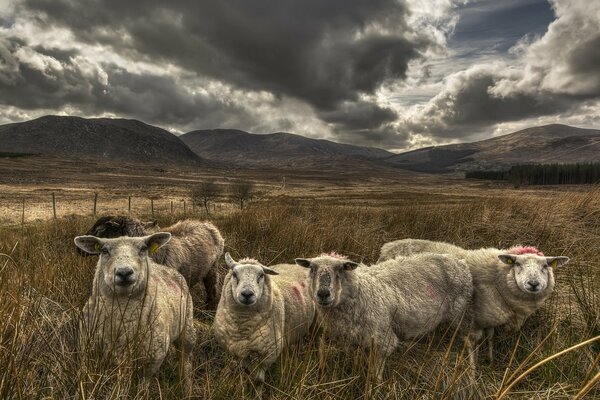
543, 144
122, 140
278, 150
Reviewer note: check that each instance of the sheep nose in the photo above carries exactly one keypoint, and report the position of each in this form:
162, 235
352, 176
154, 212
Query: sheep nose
323, 293
533, 284
124, 273
247, 295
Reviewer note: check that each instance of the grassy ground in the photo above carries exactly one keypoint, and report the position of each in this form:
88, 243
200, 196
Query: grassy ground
42, 280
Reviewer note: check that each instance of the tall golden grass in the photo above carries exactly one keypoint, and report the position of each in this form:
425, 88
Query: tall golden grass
43, 282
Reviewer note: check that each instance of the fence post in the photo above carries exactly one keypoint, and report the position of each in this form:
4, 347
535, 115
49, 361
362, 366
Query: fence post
129, 205
54, 206
184, 210
23, 218
171, 206
152, 206
95, 203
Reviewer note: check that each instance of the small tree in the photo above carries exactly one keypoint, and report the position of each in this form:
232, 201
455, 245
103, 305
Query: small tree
241, 191
204, 193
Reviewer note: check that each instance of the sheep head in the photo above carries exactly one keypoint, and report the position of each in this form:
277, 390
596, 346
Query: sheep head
532, 273
123, 264
248, 280
327, 274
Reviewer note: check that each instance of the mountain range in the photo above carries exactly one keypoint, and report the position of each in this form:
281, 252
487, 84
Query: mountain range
132, 141
279, 150
119, 140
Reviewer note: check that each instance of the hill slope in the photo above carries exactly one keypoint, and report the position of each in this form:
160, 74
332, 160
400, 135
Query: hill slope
273, 150
543, 144
111, 139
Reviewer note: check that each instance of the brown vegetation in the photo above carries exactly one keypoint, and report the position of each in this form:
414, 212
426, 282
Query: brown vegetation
42, 279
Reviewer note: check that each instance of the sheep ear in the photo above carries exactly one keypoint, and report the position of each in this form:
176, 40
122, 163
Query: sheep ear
229, 261
557, 261
269, 271
508, 259
90, 244
303, 262
157, 240
150, 224
350, 265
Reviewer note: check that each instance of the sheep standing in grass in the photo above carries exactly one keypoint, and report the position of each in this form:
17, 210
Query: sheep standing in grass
261, 311
193, 250
138, 308
509, 285
389, 302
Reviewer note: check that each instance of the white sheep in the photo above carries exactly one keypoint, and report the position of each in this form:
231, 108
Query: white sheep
261, 311
387, 303
137, 308
194, 248
509, 285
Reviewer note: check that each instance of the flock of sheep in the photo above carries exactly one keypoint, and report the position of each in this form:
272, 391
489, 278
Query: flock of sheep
141, 295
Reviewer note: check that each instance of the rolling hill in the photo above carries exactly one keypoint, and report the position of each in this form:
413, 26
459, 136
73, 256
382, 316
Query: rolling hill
275, 150
119, 140
543, 144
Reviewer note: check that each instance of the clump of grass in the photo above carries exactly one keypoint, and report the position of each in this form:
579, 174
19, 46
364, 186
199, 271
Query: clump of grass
44, 283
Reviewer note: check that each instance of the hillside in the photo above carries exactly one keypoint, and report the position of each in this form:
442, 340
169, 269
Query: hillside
277, 150
543, 144
120, 140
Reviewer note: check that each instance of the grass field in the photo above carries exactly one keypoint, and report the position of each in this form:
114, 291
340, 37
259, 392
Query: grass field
43, 280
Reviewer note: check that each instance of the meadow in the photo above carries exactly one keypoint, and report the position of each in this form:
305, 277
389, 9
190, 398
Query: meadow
43, 282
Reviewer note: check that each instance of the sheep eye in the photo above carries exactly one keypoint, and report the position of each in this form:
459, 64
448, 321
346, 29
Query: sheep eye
105, 251
143, 250
234, 275
260, 277
517, 264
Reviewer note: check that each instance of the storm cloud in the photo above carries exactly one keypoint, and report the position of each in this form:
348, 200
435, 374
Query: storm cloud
391, 73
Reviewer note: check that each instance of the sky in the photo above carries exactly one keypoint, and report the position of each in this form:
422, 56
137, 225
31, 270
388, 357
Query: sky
394, 74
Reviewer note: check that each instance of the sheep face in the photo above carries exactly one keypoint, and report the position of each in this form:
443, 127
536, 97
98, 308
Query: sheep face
123, 263
326, 278
533, 273
248, 280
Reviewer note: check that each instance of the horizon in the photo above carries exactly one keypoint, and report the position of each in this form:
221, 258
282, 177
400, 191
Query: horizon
396, 75
297, 134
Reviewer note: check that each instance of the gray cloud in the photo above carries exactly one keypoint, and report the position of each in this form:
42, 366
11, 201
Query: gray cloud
324, 53
554, 74
42, 78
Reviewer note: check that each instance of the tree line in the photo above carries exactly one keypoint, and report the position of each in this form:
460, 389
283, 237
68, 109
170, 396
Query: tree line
543, 174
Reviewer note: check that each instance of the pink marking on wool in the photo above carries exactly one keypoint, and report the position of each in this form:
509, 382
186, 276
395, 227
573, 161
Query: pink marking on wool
298, 293
431, 292
520, 250
302, 285
334, 255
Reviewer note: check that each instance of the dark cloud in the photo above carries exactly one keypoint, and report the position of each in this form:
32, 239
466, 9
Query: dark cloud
359, 116
325, 53
40, 78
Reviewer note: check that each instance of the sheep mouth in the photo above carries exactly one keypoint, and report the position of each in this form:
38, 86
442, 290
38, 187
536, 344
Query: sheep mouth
124, 282
325, 303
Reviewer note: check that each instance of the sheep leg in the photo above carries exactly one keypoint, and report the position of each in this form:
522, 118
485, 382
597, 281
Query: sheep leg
210, 285
489, 336
185, 345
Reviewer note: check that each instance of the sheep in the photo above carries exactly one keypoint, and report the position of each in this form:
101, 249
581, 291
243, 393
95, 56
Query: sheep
261, 311
137, 306
386, 303
194, 249
509, 285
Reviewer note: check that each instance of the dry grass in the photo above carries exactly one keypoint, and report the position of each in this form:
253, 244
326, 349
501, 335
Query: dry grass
43, 281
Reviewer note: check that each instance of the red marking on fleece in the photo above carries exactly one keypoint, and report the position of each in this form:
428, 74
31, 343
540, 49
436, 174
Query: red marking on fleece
334, 255
520, 250
431, 291
298, 293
